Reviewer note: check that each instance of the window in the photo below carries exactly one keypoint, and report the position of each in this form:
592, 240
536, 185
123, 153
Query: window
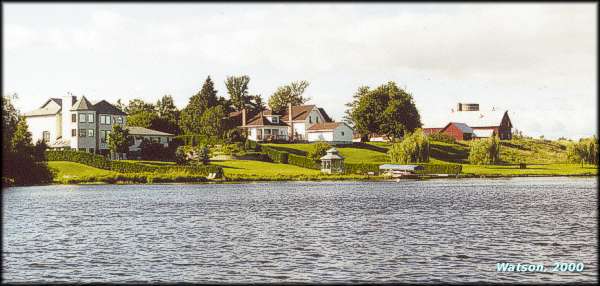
92, 150
309, 119
81, 117
119, 119
342, 133
104, 119
90, 133
73, 117
73, 132
317, 119
82, 132
46, 136
275, 119
81, 149
90, 118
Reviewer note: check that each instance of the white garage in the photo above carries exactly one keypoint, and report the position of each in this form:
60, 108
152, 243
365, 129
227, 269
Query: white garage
333, 132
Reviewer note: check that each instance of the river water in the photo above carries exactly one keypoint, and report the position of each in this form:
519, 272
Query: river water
412, 231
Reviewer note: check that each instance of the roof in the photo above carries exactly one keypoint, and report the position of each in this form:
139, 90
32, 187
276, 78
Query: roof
83, 104
300, 112
483, 132
471, 118
325, 115
50, 107
60, 142
260, 120
400, 167
332, 153
105, 107
464, 128
136, 130
326, 126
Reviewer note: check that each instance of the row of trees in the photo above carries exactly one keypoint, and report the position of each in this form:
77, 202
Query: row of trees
584, 151
206, 113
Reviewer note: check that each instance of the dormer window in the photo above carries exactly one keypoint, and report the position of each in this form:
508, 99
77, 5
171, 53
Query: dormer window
309, 119
275, 119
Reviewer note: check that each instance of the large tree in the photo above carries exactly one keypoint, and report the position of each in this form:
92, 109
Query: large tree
290, 93
168, 115
198, 104
118, 143
138, 105
387, 110
239, 97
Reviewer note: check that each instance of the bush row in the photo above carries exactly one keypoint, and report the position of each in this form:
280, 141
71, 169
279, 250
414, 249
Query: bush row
275, 155
441, 169
302, 161
361, 168
101, 162
137, 178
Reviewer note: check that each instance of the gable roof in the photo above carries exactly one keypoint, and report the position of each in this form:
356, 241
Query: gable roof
325, 126
50, 107
136, 130
473, 118
325, 115
83, 104
300, 112
260, 120
464, 128
105, 107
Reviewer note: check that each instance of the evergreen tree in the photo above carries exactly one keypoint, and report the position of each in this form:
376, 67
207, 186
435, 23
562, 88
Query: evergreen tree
198, 104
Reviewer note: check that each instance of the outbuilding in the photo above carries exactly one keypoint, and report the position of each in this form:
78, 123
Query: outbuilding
333, 132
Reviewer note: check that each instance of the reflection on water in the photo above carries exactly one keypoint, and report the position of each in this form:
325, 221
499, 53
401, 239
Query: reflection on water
413, 231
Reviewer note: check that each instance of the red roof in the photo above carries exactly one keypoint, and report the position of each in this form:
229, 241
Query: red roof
324, 126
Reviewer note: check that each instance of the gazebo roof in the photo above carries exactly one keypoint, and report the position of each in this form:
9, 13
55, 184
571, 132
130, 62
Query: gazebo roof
332, 154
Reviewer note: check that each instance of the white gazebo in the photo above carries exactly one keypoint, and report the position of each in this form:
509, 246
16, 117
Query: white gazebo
332, 162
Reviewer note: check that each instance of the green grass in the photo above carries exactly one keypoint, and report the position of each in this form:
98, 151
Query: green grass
151, 163
362, 153
244, 170
71, 170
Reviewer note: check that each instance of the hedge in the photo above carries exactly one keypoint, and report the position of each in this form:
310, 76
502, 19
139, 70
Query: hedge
101, 162
302, 161
275, 155
251, 145
441, 169
361, 168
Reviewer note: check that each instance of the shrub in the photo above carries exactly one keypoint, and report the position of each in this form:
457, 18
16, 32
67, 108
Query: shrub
442, 137
485, 151
275, 155
152, 150
319, 150
302, 161
198, 154
361, 168
414, 148
251, 145
441, 169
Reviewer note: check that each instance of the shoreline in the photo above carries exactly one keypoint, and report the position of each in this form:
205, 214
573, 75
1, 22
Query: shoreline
372, 179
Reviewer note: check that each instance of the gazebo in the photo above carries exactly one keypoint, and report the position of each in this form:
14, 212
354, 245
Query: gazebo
332, 162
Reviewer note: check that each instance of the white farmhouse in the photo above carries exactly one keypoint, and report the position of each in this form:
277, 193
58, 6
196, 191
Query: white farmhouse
292, 124
76, 123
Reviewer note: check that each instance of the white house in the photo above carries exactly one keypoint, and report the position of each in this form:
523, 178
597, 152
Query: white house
334, 132
292, 124
77, 123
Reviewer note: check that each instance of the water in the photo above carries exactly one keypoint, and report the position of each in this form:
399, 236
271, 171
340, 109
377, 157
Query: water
413, 231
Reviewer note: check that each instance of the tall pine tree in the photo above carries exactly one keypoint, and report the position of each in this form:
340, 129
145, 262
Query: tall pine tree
198, 104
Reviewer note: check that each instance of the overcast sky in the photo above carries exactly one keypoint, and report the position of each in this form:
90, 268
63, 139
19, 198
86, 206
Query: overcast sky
538, 61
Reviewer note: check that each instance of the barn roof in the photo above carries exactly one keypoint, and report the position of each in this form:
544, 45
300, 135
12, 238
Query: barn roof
471, 118
464, 128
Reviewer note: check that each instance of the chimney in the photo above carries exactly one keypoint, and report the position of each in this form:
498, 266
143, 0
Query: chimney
243, 116
290, 117
459, 108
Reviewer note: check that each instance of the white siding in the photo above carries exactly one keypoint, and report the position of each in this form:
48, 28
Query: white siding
343, 133
38, 124
300, 129
320, 136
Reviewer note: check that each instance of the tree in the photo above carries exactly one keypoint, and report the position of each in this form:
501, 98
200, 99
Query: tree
485, 151
198, 104
118, 141
319, 149
152, 150
414, 148
39, 150
143, 119
237, 88
120, 105
387, 110
212, 122
138, 105
290, 93
584, 151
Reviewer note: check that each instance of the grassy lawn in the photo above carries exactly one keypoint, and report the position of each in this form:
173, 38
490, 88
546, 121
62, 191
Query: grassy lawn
546, 169
151, 163
71, 170
363, 153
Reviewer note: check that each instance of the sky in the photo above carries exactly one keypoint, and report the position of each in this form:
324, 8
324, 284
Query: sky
538, 61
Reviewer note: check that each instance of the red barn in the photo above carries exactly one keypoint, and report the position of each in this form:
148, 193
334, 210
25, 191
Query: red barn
459, 131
